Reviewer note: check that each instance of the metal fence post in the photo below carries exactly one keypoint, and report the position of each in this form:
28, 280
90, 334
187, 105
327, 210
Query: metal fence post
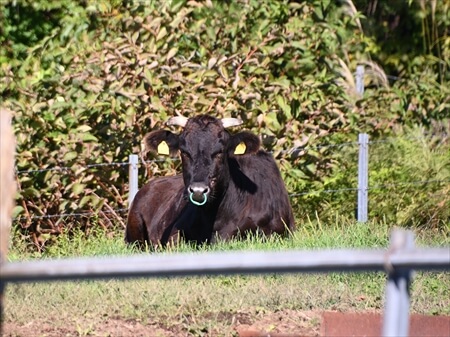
133, 178
396, 311
363, 176
360, 80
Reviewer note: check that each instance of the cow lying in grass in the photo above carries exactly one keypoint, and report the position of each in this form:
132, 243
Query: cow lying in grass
229, 187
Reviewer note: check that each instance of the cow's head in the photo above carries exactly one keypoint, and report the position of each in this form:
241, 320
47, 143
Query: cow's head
205, 147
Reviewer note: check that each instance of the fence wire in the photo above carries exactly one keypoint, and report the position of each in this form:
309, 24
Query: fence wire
291, 195
67, 215
289, 151
408, 183
67, 168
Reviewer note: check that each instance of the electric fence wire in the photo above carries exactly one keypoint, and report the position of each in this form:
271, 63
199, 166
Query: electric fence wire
292, 195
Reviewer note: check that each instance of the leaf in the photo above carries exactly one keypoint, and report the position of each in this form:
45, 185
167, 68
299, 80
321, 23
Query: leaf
70, 156
162, 32
212, 61
30, 192
84, 200
17, 210
152, 65
87, 137
77, 188
284, 106
84, 128
272, 121
172, 52
135, 37
282, 82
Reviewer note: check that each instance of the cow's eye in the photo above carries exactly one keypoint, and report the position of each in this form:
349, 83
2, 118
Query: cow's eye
185, 155
216, 154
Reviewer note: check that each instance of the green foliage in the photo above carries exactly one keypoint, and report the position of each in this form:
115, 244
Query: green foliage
409, 177
406, 31
411, 188
97, 75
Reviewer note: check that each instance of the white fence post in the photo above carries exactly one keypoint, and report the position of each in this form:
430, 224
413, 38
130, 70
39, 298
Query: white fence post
360, 80
133, 178
363, 176
396, 310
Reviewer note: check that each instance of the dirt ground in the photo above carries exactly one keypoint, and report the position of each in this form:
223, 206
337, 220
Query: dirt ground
282, 323
285, 323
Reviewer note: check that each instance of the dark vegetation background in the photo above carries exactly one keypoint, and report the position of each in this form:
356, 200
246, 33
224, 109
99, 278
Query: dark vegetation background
87, 79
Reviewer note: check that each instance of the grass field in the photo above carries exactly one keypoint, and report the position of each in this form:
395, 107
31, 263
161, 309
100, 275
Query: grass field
196, 304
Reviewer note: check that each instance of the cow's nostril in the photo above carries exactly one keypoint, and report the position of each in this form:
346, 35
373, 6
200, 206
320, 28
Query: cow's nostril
198, 188
198, 193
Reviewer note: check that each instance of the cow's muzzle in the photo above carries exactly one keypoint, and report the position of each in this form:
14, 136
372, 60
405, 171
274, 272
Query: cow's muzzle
198, 193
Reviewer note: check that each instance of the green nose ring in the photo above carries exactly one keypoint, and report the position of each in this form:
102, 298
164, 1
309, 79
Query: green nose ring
205, 198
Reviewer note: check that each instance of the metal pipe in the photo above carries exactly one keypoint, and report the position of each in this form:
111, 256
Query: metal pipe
133, 178
396, 312
213, 263
363, 177
360, 79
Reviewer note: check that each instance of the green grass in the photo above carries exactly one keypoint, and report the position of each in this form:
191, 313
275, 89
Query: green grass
177, 300
310, 235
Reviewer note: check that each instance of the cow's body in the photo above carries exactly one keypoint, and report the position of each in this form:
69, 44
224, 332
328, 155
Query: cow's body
242, 193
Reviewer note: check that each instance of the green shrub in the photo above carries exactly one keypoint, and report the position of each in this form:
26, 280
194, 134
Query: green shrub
410, 180
90, 82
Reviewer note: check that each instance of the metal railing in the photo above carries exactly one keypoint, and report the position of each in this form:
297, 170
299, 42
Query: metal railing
398, 261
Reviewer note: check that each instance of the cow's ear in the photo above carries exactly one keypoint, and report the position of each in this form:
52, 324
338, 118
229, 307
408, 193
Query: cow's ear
161, 142
243, 143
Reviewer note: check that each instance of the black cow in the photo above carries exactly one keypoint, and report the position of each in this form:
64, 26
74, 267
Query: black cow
229, 187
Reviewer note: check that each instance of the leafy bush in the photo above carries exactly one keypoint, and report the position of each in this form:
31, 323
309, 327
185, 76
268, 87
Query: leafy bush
88, 84
410, 178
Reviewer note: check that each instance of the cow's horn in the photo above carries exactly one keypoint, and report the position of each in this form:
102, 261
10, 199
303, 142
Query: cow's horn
229, 122
178, 120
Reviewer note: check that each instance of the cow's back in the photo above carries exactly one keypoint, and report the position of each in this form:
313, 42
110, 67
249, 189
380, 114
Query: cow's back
256, 200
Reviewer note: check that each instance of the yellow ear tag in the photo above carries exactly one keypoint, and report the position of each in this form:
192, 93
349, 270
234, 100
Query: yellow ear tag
240, 149
163, 148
